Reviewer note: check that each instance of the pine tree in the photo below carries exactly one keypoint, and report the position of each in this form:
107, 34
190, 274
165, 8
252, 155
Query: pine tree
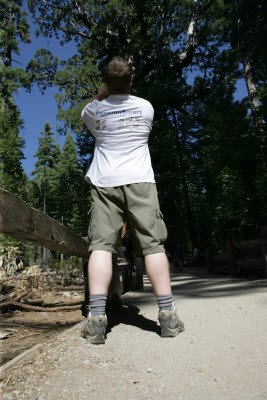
48, 154
14, 29
68, 179
12, 176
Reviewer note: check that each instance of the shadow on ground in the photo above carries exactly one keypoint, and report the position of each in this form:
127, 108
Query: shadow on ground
129, 315
198, 283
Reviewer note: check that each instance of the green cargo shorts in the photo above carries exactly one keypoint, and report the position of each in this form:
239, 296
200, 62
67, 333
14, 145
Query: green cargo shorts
138, 202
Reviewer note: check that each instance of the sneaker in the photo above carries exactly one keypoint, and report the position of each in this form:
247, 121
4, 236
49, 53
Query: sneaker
94, 329
170, 324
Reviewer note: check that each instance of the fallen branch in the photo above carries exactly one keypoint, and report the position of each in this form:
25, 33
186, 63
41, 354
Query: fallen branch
60, 303
22, 295
15, 305
6, 299
33, 302
71, 303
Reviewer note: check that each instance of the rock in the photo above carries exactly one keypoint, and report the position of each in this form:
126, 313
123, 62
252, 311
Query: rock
66, 294
149, 370
5, 334
44, 314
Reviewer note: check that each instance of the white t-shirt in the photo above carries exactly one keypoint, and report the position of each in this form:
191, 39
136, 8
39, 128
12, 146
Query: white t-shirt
121, 125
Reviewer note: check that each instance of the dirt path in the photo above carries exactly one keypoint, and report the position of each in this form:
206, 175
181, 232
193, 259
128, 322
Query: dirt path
221, 355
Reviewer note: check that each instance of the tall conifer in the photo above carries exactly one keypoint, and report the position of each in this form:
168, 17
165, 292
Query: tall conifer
47, 158
14, 29
67, 181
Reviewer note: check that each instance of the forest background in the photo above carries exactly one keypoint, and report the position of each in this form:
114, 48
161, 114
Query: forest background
208, 147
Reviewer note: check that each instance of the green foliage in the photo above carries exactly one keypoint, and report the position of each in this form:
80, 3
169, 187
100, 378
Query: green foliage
69, 271
12, 176
10, 261
58, 187
14, 29
68, 180
26, 253
48, 154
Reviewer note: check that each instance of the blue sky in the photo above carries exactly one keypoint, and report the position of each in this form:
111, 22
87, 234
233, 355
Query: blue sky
36, 109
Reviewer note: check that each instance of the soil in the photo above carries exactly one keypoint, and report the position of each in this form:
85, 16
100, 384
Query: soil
30, 328
221, 355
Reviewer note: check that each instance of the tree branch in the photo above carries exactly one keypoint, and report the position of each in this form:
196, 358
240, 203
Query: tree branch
78, 32
186, 56
52, 6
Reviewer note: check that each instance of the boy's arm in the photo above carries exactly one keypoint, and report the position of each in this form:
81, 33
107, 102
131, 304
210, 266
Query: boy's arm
101, 95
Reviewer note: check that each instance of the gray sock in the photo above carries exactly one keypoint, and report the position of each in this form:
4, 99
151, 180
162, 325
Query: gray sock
165, 302
98, 304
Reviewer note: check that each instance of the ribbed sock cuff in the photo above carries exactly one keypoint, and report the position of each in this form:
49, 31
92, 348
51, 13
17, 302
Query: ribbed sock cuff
98, 304
165, 302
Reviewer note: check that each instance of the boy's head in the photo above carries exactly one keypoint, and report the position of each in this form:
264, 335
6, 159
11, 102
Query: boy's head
118, 75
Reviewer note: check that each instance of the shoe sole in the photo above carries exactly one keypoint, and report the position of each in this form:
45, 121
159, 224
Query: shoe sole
98, 339
171, 332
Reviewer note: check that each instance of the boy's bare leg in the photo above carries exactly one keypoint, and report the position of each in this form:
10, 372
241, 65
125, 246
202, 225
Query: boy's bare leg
99, 276
99, 272
157, 269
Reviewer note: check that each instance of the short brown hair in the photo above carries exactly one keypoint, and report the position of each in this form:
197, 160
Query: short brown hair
118, 74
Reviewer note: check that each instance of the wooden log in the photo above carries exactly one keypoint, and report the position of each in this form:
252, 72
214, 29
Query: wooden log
23, 222
20, 357
19, 220
61, 303
15, 305
33, 302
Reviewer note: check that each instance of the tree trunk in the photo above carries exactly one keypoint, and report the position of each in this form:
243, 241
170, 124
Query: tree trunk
186, 56
47, 257
263, 236
233, 255
189, 214
210, 266
255, 106
182, 172
252, 92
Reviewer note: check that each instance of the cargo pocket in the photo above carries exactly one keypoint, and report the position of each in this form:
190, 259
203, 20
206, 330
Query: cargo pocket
90, 227
161, 227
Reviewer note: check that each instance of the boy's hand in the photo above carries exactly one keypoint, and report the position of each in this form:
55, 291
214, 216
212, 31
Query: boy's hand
101, 95
104, 91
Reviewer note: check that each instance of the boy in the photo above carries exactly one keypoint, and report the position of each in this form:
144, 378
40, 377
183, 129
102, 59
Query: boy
123, 186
